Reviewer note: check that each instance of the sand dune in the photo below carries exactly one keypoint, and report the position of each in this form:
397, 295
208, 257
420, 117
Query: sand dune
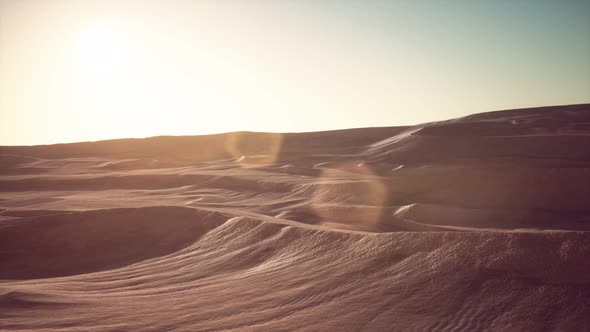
81, 242
476, 223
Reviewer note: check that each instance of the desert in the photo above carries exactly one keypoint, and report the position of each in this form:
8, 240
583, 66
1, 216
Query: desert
475, 223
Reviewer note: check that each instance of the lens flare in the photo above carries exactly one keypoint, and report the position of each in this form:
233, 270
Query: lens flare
351, 195
251, 149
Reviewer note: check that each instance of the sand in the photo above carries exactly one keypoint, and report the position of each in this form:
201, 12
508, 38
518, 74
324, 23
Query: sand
476, 223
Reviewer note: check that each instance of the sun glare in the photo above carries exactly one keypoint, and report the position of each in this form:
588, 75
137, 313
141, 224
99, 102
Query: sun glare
128, 83
99, 48
106, 82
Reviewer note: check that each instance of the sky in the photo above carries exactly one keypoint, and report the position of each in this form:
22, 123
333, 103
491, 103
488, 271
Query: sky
90, 70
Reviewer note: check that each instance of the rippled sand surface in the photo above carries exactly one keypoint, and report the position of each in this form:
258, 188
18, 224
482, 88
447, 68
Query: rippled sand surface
476, 223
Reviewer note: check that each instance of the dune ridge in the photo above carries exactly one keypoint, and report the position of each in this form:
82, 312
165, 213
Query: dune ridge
324, 279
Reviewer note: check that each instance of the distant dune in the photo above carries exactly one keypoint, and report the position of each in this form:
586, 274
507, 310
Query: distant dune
475, 223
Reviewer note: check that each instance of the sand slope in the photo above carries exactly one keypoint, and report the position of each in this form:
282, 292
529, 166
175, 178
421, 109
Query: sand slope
476, 223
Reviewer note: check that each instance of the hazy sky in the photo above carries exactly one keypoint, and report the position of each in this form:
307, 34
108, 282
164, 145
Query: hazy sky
89, 70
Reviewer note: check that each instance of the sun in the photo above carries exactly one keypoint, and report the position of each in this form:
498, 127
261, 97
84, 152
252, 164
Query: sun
100, 48
104, 82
